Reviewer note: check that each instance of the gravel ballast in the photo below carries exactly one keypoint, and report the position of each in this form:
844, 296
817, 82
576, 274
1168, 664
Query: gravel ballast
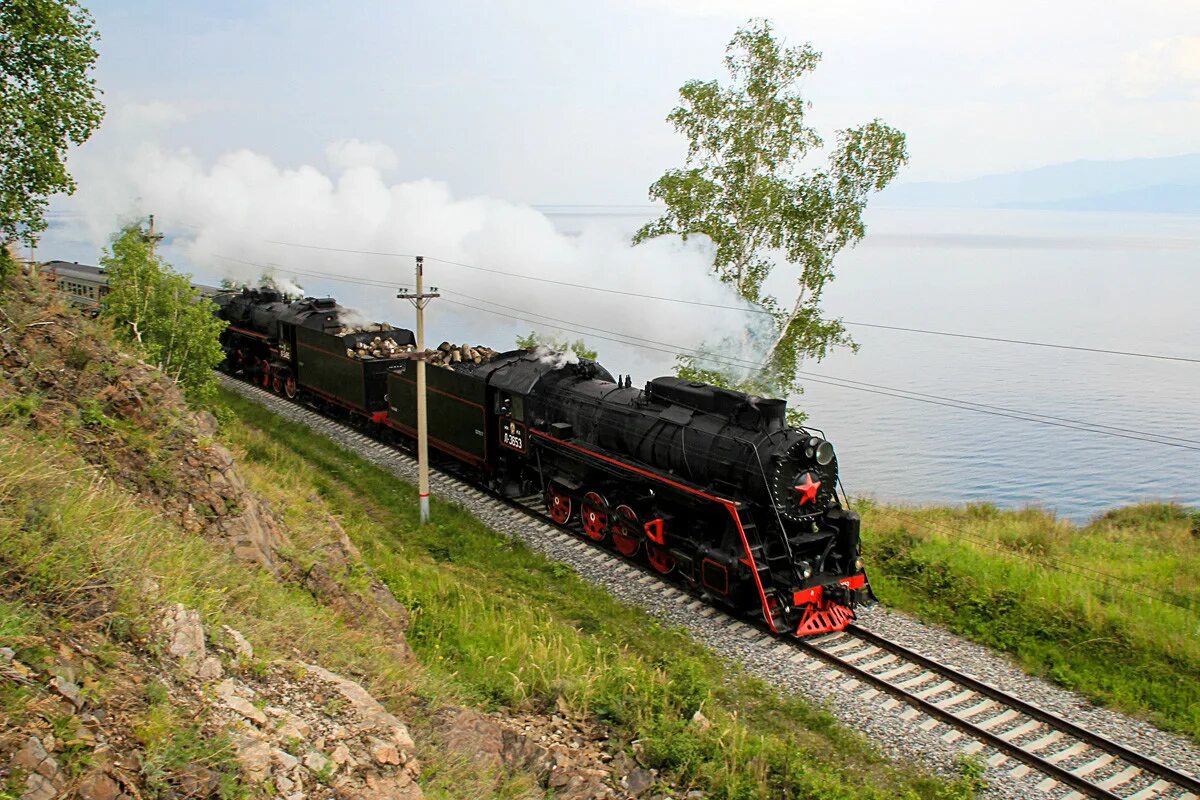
898, 730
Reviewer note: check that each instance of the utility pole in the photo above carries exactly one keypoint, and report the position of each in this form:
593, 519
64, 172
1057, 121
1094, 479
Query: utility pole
420, 299
152, 238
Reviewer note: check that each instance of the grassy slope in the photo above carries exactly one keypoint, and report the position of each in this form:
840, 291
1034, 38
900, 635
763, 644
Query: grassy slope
501, 625
1038, 588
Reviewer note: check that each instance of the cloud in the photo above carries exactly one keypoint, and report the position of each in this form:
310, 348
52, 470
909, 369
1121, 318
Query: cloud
146, 118
1165, 68
351, 153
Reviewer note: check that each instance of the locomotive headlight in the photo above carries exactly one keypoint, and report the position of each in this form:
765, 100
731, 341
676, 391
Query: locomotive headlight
805, 570
824, 453
859, 564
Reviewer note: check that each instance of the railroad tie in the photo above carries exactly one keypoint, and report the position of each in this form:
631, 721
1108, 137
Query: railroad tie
1154, 789
997, 720
917, 681
1020, 730
1092, 765
870, 650
978, 708
1070, 752
1043, 742
1019, 771
1046, 785
925, 694
1122, 777
900, 670
966, 694
887, 659
844, 646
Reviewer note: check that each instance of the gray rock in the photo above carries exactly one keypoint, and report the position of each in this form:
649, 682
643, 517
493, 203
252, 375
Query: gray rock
98, 786
639, 781
182, 636
315, 762
30, 755
38, 788
475, 736
199, 781
369, 710
254, 758
210, 669
241, 645
284, 760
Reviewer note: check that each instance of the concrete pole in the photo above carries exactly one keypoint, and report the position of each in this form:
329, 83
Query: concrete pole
422, 422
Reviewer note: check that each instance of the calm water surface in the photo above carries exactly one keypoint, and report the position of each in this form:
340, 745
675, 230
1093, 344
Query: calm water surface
1125, 282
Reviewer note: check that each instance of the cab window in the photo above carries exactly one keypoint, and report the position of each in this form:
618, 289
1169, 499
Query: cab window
510, 405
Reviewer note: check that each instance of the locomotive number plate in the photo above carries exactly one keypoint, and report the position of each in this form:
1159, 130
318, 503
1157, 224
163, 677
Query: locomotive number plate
512, 434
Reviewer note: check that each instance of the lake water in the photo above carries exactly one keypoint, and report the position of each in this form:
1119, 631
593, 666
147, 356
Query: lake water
1123, 282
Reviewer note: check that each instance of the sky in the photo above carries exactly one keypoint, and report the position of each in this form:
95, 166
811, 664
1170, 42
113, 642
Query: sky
400, 127
562, 101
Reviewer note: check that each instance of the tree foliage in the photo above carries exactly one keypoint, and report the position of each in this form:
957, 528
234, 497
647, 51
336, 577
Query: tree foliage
48, 101
748, 185
157, 309
536, 339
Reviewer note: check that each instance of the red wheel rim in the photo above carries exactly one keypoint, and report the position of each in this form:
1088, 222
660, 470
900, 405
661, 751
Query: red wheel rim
595, 516
659, 558
277, 385
289, 387
266, 374
558, 505
624, 532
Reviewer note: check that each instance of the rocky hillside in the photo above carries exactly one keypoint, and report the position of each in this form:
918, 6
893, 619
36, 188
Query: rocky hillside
108, 689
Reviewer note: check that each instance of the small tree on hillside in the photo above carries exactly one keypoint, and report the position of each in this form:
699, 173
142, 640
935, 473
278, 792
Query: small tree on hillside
156, 309
48, 101
535, 340
743, 186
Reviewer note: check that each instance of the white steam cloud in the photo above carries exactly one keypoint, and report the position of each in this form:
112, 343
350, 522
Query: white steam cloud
226, 219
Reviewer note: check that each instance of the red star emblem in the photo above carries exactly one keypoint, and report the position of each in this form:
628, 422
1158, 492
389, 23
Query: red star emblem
808, 489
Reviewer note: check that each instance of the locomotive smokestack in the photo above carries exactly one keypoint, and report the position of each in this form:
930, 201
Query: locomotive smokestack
773, 413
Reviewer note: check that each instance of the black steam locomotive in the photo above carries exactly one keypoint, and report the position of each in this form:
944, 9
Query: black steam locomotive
710, 486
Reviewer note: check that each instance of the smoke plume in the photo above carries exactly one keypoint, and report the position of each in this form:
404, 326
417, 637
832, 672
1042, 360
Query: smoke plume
242, 215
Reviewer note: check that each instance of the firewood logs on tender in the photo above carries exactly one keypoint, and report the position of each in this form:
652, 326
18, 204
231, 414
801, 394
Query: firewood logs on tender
448, 354
379, 347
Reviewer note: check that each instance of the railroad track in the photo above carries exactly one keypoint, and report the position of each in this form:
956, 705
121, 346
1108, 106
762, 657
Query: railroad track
1074, 761
1089, 764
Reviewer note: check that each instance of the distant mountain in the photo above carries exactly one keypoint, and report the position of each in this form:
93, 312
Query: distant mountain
1168, 185
1164, 199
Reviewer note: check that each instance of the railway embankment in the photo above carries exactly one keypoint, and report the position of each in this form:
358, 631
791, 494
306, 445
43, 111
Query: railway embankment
1110, 609
194, 608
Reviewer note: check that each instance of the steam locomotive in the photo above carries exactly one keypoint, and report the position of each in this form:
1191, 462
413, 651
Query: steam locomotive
710, 486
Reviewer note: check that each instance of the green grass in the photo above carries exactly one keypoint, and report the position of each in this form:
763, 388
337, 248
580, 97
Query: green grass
496, 624
1110, 609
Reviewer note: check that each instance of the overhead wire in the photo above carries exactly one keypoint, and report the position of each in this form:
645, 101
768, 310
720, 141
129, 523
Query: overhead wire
739, 363
904, 394
747, 310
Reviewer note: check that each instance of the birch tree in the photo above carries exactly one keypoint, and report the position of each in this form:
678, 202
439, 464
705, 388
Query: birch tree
48, 102
158, 311
750, 184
